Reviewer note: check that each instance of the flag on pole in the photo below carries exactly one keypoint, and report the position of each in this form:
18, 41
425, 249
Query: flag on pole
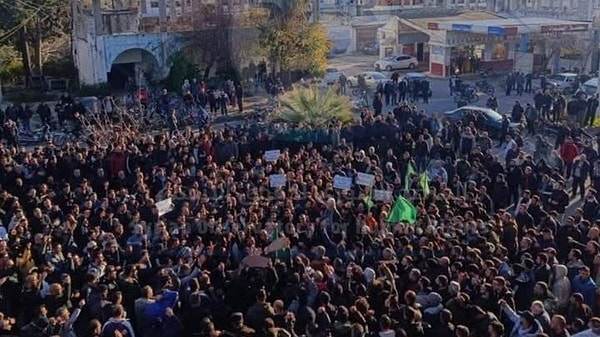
424, 183
403, 210
409, 172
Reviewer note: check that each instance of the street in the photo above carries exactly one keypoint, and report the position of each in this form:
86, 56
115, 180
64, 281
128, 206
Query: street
441, 100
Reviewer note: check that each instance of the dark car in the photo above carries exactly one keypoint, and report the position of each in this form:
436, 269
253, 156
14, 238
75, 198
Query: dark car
370, 48
491, 120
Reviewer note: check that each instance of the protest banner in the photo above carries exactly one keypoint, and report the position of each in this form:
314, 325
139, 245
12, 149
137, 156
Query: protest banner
342, 183
272, 155
277, 180
382, 195
365, 179
164, 206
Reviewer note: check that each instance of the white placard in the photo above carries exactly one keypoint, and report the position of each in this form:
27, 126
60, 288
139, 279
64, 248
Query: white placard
365, 179
342, 183
272, 155
382, 195
277, 180
164, 206
277, 245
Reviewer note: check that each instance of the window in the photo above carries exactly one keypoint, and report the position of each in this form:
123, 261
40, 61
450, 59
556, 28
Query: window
154, 4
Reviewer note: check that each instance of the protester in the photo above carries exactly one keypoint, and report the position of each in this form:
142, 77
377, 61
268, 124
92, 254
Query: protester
401, 224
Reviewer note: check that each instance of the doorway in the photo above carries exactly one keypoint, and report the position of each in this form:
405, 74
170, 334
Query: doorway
121, 75
420, 52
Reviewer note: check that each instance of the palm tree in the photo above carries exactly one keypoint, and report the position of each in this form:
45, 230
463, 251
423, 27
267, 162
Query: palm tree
312, 108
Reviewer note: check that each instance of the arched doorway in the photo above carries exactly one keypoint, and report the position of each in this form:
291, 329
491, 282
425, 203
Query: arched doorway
132, 68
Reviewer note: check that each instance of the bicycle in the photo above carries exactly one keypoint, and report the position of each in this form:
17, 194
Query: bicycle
35, 136
363, 100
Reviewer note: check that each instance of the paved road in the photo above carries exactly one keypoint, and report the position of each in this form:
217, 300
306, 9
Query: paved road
441, 100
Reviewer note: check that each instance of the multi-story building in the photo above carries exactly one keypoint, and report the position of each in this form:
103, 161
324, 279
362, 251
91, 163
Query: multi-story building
134, 40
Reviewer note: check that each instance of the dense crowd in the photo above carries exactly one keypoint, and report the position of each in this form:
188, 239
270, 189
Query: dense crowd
88, 248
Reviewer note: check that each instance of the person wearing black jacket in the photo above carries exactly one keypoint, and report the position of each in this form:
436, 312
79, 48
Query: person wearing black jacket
590, 206
559, 199
581, 171
514, 178
592, 106
387, 92
546, 100
377, 104
517, 112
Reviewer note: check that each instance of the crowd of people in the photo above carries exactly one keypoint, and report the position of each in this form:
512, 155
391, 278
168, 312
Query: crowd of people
185, 234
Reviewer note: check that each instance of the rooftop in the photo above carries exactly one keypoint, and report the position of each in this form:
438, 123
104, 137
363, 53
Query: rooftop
461, 16
494, 20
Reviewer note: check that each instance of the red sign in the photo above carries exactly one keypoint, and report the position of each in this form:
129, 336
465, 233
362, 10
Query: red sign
565, 28
511, 30
432, 26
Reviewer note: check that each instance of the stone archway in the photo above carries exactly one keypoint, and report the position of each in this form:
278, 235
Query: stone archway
133, 67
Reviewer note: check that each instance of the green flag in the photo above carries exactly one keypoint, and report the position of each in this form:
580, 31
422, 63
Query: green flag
409, 172
369, 202
424, 183
403, 210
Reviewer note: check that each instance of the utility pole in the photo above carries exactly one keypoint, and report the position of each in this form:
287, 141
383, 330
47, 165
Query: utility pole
595, 66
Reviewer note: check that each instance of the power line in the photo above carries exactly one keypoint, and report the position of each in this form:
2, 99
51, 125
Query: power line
22, 24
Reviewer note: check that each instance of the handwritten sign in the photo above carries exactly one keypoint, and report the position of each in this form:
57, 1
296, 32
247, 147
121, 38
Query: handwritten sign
277, 180
382, 195
272, 155
342, 183
365, 179
255, 261
164, 206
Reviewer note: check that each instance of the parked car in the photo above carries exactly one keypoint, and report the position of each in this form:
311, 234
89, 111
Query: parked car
332, 75
415, 77
370, 48
492, 120
372, 78
562, 80
397, 62
590, 87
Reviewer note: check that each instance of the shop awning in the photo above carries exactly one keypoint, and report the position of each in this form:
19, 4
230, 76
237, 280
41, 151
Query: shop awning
511, 27
412, 37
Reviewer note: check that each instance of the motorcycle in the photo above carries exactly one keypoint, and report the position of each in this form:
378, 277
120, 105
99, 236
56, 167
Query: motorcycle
468, 95
485, 87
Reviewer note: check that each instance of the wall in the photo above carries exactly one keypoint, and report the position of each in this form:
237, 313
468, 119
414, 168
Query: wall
118, 22
95, 57
524, 62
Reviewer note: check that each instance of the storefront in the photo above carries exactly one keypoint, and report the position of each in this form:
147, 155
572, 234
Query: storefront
490, 45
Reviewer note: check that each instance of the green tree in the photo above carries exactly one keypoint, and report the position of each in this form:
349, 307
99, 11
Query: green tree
312, 108
228, 40
11, 66
291, 41
26, 24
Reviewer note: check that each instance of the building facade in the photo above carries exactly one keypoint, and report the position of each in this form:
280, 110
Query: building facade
133, 41
476, 41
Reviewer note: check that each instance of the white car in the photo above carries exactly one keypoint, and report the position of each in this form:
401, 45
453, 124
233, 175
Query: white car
332, 75
562, 80
397, 62
591, 86
372, 78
